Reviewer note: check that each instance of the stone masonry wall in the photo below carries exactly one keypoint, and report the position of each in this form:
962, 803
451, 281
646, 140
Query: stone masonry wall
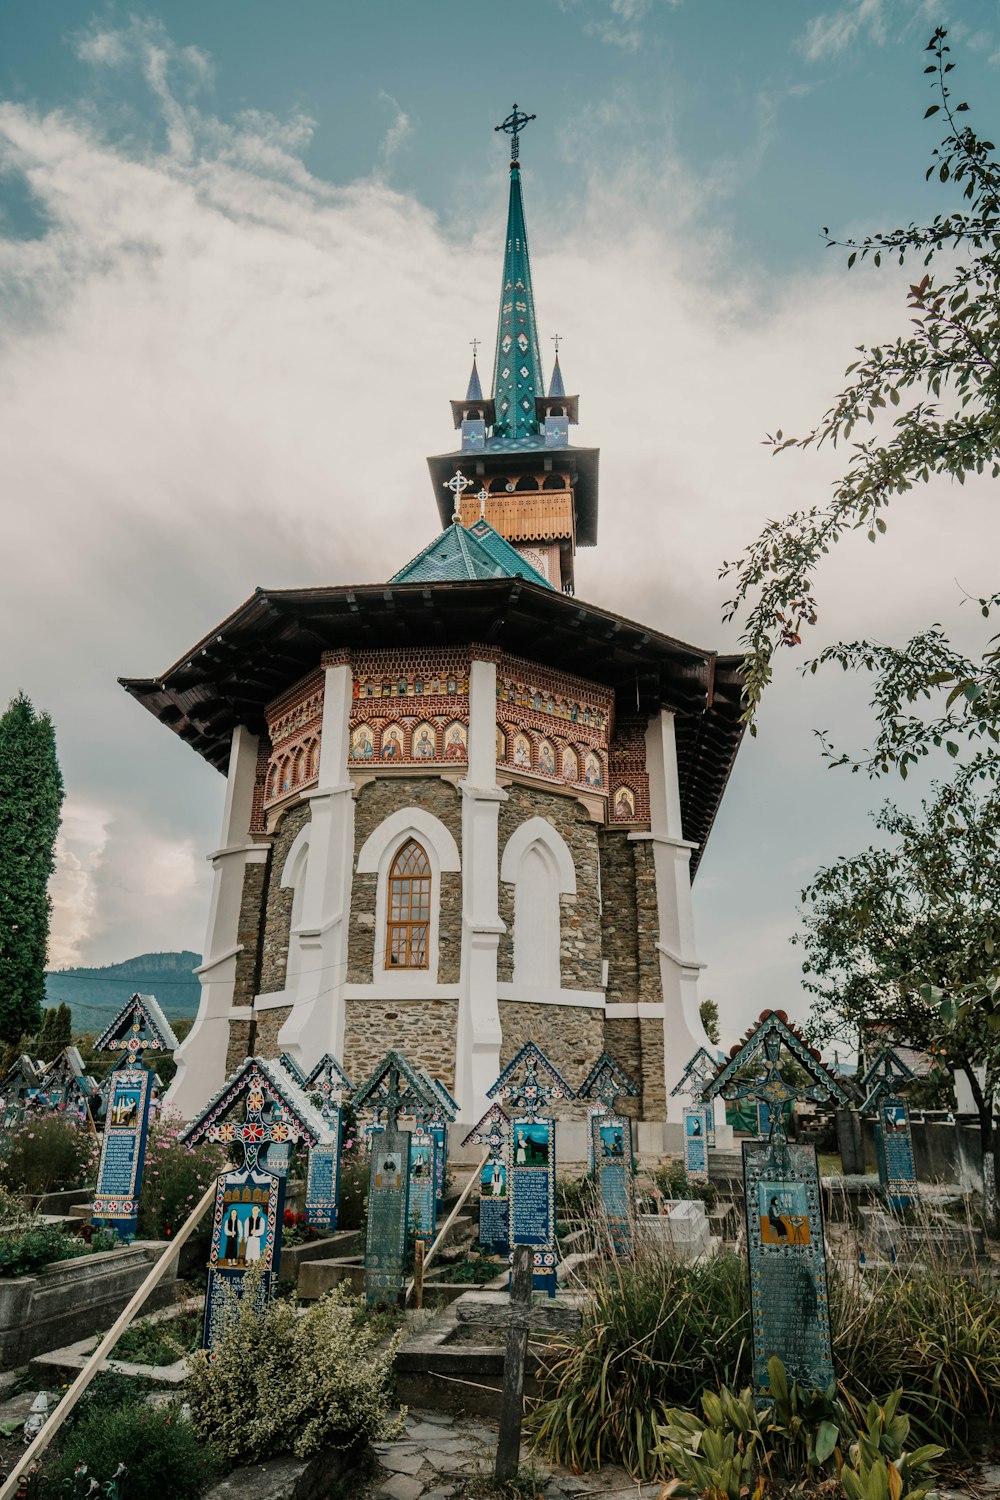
647, 924
375, 801
239, 1045
579, 915
250, 933
619, 917
571, 1036
278, 912
623, 1040
423, 1030
654, 1089
269, 1023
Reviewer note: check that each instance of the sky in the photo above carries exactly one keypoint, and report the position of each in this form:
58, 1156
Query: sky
243, 250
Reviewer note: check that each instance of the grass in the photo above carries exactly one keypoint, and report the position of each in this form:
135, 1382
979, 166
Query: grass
160, 1343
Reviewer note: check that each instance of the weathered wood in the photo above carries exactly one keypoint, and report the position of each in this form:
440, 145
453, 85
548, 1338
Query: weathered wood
512, 1396
499, 1311
474, 1178
418, 1273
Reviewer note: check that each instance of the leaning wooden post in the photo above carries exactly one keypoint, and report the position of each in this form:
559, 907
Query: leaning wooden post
512, 1398
428, 1257
104, 1348
418, 1273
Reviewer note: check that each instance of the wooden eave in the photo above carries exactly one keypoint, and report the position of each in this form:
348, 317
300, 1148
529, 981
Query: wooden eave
278, 635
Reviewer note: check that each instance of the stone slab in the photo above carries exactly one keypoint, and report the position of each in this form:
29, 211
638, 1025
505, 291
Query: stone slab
400, 1487
288, 1478
400, 1462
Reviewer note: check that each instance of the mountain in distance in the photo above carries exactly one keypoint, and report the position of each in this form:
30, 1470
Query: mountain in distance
95, 996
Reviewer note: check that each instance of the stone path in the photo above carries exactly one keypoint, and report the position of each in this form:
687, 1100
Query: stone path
447, 1458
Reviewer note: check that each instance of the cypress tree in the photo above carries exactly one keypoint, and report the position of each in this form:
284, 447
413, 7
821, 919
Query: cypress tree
31, 796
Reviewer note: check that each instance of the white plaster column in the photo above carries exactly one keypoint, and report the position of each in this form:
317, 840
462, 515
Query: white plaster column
683, 1032
316, 1023
477, 1049
201, 1057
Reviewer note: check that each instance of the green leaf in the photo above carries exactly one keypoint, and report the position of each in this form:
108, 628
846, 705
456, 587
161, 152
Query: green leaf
826, 1441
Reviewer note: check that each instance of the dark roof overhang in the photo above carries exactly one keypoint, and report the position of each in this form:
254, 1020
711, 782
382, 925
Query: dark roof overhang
557, 406
483, 410
581, 463
278, 636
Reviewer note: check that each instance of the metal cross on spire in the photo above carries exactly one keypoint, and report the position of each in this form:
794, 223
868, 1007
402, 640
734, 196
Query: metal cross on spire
474, 346
557, 340
458, 485
512, 126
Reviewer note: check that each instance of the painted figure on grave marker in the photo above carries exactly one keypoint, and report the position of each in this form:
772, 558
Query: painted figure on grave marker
326, 1086
611, 1148
493, 1130
891, 1117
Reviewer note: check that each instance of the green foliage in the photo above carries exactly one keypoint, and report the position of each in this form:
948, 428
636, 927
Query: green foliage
55, 1034
878, 1466
174, 1178
24, 1251
47, 1153
672, 1181
655, 1333
160, 1450
576, 1197
708, 1010
320, 1380
31, 795
719, 1456
162, 1342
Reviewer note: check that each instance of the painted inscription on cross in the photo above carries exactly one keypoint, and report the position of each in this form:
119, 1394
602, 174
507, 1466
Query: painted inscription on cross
138, 1026
327, 1085
393, 1089
611, 1140
493, 1130
788, 1286
882, 1085
527, 1086
270, 1109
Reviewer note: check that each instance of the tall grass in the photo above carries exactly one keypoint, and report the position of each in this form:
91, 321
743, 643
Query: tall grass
657, 1334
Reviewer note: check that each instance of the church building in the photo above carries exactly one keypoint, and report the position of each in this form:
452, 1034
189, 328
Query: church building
463, 808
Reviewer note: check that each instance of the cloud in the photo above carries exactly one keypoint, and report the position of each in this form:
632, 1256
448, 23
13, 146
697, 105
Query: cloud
832, 32
197, 399
620, 24
398, 133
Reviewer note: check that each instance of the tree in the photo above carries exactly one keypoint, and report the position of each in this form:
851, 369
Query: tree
56, 1032
709, 1012
943, 384
31, 795
880, 922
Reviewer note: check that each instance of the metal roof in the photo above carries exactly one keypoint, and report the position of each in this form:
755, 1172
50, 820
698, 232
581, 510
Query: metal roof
277, 636
476, 551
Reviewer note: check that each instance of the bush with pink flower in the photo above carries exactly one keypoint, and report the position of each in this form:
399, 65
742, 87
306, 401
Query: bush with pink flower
47, 1153
174, 1179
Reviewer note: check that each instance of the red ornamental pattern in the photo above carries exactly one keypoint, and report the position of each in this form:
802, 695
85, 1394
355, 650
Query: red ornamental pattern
628, 778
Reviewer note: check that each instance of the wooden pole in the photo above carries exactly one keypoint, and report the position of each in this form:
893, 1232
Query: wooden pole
512, 1396
100, 1355
441, 1232
418, 1273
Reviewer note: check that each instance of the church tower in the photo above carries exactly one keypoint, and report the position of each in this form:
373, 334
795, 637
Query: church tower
463, 807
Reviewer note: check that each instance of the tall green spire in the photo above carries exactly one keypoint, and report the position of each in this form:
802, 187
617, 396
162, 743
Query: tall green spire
517, 370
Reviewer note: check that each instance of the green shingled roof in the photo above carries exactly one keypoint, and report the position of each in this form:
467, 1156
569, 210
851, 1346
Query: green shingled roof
461, 552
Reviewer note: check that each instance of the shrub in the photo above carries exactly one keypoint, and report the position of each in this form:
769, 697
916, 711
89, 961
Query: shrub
672, 1181
174, 1178
278, 1382
352, 1208
161, 1452
29, 1249
47, 1153
576, 1197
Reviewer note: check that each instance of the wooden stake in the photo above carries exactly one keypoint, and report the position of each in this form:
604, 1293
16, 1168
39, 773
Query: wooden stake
101, 1354
512, 1397
441, 1232
418, 1273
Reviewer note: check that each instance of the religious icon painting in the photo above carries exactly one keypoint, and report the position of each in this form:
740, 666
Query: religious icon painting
362, 743
424, 742
501, 745
592, 769
455, 742
546, 758
392, 743
522, 752
624, 803
570, 765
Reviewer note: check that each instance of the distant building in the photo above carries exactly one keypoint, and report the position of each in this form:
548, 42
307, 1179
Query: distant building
464, 807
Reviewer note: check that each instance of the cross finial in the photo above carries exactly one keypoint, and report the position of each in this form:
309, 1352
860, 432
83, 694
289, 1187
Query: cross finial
474, 344
512, 126
458, 484
482, 497
557, 340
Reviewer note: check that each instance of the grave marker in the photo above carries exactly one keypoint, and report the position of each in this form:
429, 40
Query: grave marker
326, 1086
63, 1085
695, 1143
893, 1139
700, 1068
788, 1287
139, 1026
19, 1083
437, 1123
611, 1143
493, 1130
249, 1200
394, 1089
531, 1182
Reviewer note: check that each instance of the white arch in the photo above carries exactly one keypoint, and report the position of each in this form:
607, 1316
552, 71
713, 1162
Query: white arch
393, 831
539, 831
376, 857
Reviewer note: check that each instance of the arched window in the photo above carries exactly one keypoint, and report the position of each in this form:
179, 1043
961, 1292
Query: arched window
408, 919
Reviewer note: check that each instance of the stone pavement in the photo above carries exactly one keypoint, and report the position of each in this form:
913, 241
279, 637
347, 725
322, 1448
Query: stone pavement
446, 1458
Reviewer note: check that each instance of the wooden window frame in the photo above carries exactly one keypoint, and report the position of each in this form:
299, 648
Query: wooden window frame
418, 881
